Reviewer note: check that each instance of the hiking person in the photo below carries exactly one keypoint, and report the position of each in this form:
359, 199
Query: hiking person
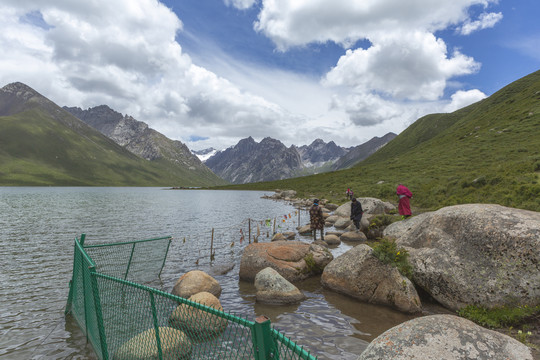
404, 206
356, 213
316, 219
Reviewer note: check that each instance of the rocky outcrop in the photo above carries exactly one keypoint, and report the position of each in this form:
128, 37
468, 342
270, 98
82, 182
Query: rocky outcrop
359, 274
445, 337
174, 345
272, 288
361, 152
140, 139
249, 161
199, 323
294, 260
474, 254
194, 282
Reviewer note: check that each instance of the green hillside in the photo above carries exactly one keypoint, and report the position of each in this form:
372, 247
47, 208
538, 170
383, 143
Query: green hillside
41, 144
488, 152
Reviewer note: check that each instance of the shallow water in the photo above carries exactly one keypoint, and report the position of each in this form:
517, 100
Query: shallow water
38, 226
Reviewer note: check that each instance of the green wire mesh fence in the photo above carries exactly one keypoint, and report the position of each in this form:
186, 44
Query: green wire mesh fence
125, 320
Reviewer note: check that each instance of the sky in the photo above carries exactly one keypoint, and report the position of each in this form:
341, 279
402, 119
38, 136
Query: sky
211, 72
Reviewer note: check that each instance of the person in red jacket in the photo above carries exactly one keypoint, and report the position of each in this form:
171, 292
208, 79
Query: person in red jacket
404, 195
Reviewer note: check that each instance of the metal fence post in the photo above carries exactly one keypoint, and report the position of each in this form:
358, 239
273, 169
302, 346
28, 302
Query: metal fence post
263, 342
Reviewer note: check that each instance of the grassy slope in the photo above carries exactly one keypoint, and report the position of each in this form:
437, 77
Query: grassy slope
36, 149
488, 152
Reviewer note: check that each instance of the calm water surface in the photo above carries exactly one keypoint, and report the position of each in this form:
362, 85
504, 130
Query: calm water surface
38, 226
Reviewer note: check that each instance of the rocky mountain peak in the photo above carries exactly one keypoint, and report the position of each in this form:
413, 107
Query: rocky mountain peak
22, 91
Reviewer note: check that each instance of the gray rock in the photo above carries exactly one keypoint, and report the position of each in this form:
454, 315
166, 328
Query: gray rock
445, 337
354, 236
272, 288
332, 240
359, 274
342, 223
479, 254
369, 205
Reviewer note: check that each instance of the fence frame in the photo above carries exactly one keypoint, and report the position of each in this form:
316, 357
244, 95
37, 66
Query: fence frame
266, 341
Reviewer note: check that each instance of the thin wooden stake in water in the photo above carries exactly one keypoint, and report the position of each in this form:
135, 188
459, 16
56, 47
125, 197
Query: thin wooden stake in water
212, 246
274, 233
249, 230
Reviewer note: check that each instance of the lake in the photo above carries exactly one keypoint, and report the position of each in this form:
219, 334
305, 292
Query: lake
37, 230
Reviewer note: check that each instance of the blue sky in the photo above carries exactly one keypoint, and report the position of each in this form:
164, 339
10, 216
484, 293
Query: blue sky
209, 73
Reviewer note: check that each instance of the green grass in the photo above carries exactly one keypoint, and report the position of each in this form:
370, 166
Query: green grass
488, 152
499, 317
39, 149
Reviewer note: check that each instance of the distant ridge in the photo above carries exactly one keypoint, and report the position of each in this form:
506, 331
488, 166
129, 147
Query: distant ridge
42, 144
143, 141
362, 152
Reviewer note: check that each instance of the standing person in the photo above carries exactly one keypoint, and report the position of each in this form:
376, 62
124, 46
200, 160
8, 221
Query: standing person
316, 219
404, 206
351, 194
356, 213
348, 193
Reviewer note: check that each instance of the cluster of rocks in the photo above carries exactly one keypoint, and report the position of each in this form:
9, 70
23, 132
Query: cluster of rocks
188, 324
480, 254
486, 255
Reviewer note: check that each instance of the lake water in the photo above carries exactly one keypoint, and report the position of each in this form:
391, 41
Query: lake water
38, 226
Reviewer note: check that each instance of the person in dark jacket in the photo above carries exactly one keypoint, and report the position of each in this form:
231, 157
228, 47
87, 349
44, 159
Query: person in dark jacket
356, 213
316, 219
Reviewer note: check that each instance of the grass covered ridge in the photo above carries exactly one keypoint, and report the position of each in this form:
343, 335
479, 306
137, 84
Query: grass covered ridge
488, 152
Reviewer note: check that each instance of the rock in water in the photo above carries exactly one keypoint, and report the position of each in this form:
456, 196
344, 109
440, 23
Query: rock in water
273, 288
194, 282
294, 260
359, 274
174, 345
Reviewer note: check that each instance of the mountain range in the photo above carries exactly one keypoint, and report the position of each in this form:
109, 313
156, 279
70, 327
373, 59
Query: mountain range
249, 161
44, 144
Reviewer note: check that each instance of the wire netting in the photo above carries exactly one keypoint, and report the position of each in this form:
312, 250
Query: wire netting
124, 319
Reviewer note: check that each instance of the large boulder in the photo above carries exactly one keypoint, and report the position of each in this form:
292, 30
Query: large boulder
273, 288
174, 345
194, 282
369, 205
359, 274
294, 260
445, 337
198, 323
479, 254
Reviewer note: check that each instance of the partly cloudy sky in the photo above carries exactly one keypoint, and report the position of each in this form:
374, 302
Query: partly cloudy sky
209, 73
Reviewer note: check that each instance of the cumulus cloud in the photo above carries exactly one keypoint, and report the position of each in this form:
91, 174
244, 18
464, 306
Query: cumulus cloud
462, 98
412, 66
403, 60
124, 54
485, 21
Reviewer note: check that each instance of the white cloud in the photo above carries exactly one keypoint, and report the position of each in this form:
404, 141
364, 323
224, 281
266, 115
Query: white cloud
240, 4
485, 21
296, 23
124, 54
462, 98
410, 66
